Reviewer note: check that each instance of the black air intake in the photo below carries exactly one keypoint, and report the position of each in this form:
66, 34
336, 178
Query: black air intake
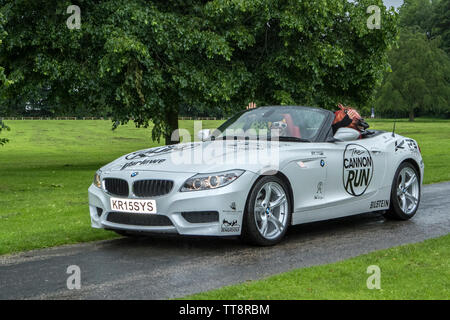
116, 186
139, 219
152, 188
201, 216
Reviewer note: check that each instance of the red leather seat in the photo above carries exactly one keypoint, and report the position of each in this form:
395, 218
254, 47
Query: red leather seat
294, 131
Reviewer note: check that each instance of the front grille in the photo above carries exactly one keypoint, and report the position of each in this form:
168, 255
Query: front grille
152, 187
201, 216
139, 219
116, 186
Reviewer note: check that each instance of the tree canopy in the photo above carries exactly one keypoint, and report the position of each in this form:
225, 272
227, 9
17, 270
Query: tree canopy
3, 81
420, 81
418, 14
431, 17
144, 60
441, 24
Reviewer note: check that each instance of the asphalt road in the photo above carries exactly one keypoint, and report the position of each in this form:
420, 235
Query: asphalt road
160, 268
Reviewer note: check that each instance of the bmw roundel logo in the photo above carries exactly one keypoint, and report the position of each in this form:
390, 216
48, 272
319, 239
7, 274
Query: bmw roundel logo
134, 174
322, 163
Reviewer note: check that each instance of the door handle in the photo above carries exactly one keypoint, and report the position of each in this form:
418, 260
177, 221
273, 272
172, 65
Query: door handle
375, 150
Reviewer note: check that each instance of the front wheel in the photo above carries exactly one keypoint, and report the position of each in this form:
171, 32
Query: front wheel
405, 193
268, 212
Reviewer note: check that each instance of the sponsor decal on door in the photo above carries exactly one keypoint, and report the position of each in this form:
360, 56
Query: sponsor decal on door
357, 169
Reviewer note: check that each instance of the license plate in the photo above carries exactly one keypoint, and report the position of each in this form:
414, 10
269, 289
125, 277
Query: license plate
133, 206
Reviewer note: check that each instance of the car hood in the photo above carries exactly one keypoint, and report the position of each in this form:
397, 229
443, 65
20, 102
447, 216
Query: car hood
212, 156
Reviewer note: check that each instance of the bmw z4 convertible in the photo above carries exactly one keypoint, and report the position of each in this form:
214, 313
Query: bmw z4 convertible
260, 172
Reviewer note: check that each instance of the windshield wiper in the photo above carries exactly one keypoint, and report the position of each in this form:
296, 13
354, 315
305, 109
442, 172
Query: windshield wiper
293, 139
290, 139
234, 138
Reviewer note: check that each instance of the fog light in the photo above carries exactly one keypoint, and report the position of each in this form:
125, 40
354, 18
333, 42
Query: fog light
99, 211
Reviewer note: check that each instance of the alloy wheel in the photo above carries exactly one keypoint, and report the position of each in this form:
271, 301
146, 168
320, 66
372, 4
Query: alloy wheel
271, 210
407, 190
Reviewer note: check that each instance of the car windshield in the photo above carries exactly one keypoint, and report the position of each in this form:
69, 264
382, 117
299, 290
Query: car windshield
287, 123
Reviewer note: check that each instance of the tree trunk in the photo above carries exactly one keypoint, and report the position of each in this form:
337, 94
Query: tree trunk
411, 115
172, 123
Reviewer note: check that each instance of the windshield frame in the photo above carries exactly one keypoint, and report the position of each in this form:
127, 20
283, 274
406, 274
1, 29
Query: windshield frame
320, 136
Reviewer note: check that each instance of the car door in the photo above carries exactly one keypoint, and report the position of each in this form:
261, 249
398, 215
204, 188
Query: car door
307, 173
355, 172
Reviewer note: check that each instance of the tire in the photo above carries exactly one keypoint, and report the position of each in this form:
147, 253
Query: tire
405, 198
266, 225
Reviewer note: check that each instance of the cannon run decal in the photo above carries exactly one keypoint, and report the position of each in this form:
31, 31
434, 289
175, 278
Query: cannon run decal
357, 169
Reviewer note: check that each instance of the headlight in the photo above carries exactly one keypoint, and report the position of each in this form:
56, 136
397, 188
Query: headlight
97, 180
210, 180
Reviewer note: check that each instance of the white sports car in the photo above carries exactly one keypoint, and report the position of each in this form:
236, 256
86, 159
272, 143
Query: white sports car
261, 171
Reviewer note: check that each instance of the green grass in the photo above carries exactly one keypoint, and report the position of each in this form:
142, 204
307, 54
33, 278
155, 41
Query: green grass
433, 137
45, 171
47, 167
415, 271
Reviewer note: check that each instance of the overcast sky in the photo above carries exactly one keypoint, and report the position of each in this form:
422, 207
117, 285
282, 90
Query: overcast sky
389, 3
395, 3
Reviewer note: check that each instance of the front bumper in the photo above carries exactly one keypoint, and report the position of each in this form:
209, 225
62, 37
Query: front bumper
228, 202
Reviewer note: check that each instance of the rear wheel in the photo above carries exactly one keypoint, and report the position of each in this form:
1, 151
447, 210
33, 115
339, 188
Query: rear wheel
405, 193
268, 212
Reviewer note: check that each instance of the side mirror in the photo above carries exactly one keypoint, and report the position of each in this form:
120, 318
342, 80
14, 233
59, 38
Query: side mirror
203, 134
346, 134
332, 139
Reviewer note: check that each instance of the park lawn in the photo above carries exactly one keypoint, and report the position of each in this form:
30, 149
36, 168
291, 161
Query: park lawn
414, 271
433, 137
48, 165
45, 172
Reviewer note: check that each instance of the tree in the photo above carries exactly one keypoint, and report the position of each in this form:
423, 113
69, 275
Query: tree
431, 17
3, 126
419, 81
3, 80
418, 14
145, 60
441, 24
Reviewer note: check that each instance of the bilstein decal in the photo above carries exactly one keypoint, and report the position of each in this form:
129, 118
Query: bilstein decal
358, 169
379, 204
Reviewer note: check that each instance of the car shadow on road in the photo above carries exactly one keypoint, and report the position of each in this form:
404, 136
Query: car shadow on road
298, 233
